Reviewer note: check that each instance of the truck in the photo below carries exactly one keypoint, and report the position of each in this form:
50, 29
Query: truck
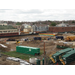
70, 38
56, 57
59, 37
68, 57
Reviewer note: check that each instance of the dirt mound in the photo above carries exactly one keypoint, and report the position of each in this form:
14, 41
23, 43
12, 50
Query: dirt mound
4, 48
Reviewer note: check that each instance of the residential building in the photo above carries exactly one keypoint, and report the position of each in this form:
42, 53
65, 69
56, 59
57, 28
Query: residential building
3, 24
26, 28
40, 27
62, 25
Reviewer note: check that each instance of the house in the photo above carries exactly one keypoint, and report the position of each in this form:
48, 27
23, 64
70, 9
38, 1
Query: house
26, 28
3, 23
40, 28
62, 25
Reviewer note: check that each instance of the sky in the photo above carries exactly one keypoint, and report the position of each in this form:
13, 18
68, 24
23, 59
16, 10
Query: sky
36, 14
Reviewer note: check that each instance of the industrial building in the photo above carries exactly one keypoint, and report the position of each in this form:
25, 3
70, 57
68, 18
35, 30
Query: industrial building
62, 28
40, 28
8, 31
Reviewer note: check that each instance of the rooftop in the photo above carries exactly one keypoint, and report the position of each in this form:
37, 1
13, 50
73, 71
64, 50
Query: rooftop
40, 25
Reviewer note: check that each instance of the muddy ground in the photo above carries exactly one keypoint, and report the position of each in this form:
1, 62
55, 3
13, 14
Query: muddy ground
50, 46
4, 61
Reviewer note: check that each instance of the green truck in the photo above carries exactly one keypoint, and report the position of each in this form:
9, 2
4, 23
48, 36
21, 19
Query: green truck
62, 47
55, 57
28, 50
68, 57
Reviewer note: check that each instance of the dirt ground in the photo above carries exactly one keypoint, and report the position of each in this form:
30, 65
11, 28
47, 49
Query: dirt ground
50, 46
4, 61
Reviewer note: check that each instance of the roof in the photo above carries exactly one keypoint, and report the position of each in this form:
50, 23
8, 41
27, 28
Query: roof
69, 53
6, 27
62, 51
61, 24
28, 47
26, 26
40, 25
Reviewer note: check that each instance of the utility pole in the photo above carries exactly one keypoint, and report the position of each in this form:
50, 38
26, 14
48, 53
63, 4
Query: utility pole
44, 55
44, 48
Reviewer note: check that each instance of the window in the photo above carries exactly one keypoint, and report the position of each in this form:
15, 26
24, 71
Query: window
8, 31
4, 31
0, 31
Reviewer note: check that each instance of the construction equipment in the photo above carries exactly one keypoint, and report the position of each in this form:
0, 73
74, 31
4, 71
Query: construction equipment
17, 42
55, 57
68, 57
63, 45
70, 38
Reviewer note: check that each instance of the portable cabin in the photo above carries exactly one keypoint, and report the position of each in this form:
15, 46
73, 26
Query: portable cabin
28, 50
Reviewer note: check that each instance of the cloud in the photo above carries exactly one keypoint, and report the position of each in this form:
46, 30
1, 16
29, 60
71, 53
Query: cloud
37, 14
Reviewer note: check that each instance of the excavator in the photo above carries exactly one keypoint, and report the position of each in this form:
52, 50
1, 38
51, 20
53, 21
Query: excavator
17, 41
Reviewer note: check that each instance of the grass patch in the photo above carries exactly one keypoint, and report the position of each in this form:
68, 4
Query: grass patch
20, 55
16, 54
41, 52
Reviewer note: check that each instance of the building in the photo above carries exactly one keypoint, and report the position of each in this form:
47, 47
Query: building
3, 24
8, 31
40, 28
62, 28
26, 28
62, 25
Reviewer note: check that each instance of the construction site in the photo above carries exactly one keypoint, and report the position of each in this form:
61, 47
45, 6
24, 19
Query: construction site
42, 49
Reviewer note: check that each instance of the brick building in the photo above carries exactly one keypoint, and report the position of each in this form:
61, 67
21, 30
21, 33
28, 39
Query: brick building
61, 29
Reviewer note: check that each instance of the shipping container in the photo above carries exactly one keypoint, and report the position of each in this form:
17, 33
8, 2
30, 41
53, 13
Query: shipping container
60, 37
28, 50
37, 38
55, 57
62, 47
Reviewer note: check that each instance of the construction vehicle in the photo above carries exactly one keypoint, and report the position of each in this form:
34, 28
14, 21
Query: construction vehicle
70, 38
55, 57
63, 45
17, 41
68, 57
58, 57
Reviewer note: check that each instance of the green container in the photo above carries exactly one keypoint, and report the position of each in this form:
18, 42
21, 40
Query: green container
59, 54
28, 50
69, 57
61, 47
38, 61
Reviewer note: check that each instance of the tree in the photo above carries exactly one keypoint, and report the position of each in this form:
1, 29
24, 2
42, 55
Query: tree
53, 24
18, 23
73, 21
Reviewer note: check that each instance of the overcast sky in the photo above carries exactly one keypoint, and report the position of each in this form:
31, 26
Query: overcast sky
37, 14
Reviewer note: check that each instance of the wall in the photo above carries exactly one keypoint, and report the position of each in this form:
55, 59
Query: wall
61, 29
9, 31
27, 30
40, 28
